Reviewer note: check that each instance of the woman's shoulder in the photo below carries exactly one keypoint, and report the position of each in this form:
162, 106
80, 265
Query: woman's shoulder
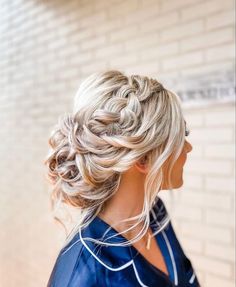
82, 263
65, 262
73, 259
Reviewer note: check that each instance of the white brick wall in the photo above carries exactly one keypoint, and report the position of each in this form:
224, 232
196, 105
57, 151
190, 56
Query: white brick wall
47, 48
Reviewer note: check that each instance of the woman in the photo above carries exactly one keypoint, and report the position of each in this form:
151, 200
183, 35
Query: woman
124, 142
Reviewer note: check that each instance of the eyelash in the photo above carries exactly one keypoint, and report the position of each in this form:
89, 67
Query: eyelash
187, 132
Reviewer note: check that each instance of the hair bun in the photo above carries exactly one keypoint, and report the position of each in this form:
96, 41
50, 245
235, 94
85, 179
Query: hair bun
116, 121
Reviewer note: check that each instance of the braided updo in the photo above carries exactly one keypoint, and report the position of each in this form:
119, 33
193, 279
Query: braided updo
116, 121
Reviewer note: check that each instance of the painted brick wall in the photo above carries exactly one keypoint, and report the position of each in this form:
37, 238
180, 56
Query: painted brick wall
46, 49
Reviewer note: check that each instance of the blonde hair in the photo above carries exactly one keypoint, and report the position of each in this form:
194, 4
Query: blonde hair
116, 121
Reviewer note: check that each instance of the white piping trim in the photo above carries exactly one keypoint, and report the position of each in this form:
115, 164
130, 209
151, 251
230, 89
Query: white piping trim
169, 248
192, 278
131, 262
99, 260
172, 257
137, 276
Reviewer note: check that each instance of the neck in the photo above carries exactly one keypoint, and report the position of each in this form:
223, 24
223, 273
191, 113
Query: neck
126, 202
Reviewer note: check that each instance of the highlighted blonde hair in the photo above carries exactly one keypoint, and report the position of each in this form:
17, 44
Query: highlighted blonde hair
116, 121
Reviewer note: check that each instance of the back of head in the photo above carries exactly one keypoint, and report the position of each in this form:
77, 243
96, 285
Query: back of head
116, 121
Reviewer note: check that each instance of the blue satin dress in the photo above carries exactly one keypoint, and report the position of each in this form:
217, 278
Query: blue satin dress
83, 263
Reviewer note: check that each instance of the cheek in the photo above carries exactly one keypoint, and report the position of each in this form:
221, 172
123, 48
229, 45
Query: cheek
178, 165
183, 158
181, 161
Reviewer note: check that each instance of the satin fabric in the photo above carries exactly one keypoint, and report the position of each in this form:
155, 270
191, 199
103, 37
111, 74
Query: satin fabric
83, 263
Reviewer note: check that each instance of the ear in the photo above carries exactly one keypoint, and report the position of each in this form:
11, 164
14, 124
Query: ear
142, 165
